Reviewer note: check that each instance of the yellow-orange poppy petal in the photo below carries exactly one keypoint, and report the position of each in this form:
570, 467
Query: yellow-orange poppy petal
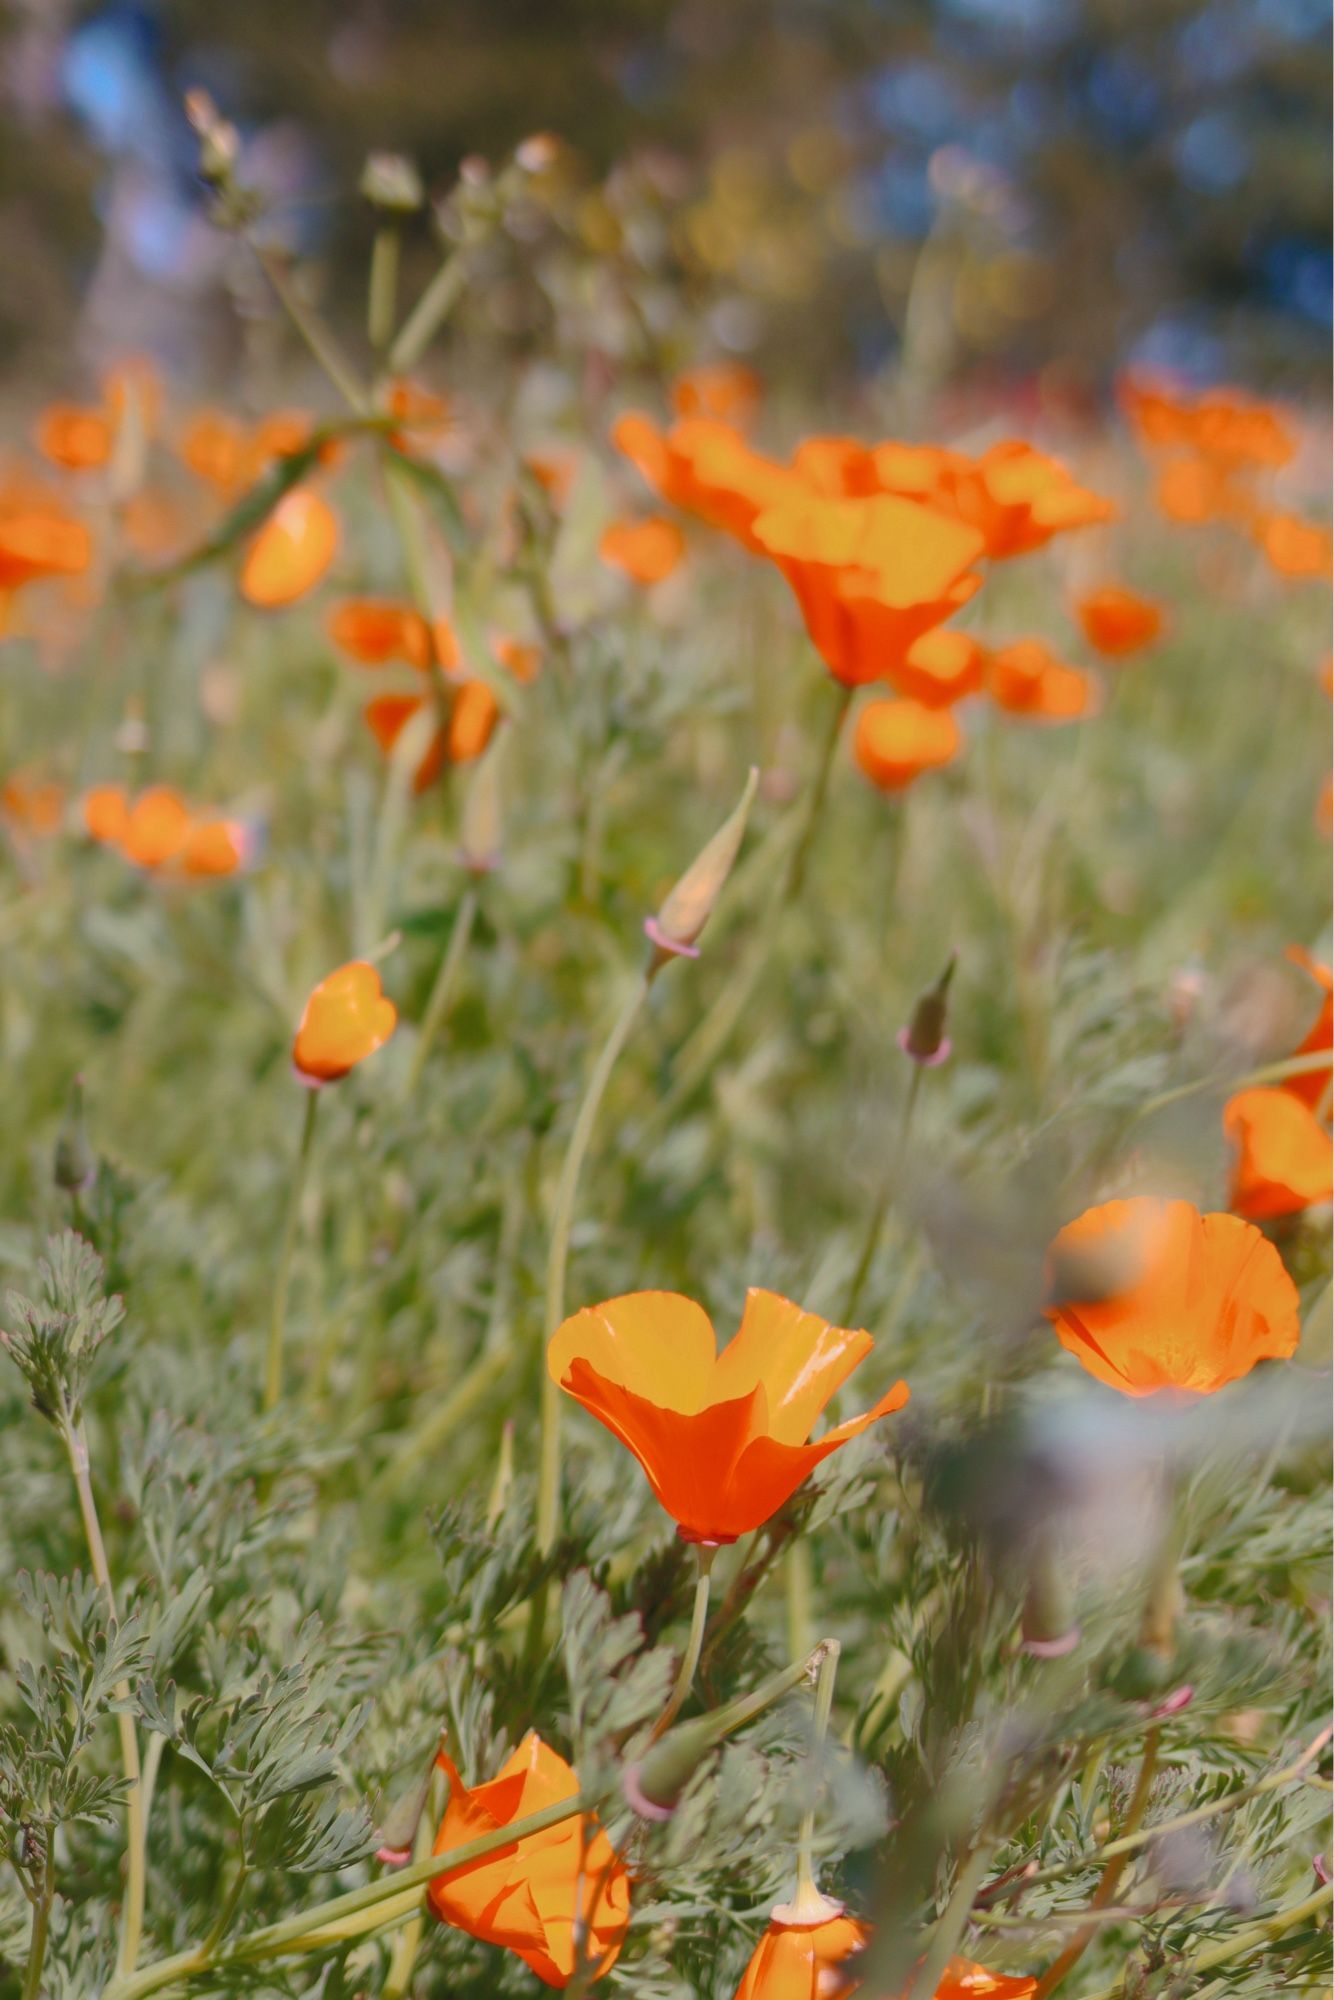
472, 721
896, 741
1294, 547
388, 716
1118, 622
805, 1961
798, 1357
78, 439
1283, 1157
1151, 1295
940, 668
346, 1019
768, 1472
213, 847
646, 550
1313, 1088
106, 813
157, 827
39, 542
291, 552
964, 1980
661, 1345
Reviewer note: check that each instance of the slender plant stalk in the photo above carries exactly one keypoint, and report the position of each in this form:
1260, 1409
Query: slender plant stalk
462, 1400
40, 1927
273, 1367
548, 1492
428, 315
807, 1886
136, 1828
951, 1924
801, 853
443, 990
1105, 1892
403, 1958
382, 291
313, 331
797, 1591
685, 1673
1244, 1940
883, 1200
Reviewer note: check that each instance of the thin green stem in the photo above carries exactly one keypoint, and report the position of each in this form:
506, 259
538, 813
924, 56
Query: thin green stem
132, 1912
443, 989
1242, 1941
403, 1958
951, 1924
428, 315
273, 1368
801, 853
883, 1200
313, 331
1105, 1893
685, 1673
40, 1927
382, 291
797, 1592
1274, 1072
807, 1886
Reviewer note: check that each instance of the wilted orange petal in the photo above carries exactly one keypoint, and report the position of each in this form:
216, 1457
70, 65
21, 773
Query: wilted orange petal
291, 552
346, 1019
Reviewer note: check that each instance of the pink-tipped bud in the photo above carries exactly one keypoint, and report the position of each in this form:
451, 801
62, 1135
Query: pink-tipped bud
924, 1038
675, 929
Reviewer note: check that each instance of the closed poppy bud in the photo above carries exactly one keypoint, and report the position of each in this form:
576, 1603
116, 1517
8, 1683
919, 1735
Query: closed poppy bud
1049, 1628
346, 1019
291, 552
549, 1897
1151, 1295
1117, 622
219, 140
688, 906
924, 1038
723, 1438
75, 1167
1283, 1157
390, 181
805, 1961
896, 741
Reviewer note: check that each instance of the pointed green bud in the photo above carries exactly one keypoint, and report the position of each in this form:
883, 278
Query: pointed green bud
75, 1167
688, 907
391, 182
924, 1038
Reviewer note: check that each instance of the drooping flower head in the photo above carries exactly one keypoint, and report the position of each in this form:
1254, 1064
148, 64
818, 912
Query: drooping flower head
1150, 1295
1283, 1157
723, 1438
805, 1961
346, 1019
1118, 622
529, 1897
896, 741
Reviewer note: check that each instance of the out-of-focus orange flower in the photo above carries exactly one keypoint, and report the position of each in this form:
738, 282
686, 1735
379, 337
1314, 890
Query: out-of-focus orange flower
388, 716
422, 414
895, 741
106, 814
473, 715
529, 1897
78, 439
707, 469
472, 721
554, 472
1283, 1157
213, 847
723, 1437
1118, 622
843, 468
1027, 679
803, 1961
156, 828
518, 657
963, 1980
1295, 547
1192, 491
375, 630
291, 552
940, 668
346, 1019
871, 576
281, 434
153, 524
1020, 498
647, 550
1221, 424
215, 449
727, 390
35, 803
1151, 1295
40, 541
1313, 1089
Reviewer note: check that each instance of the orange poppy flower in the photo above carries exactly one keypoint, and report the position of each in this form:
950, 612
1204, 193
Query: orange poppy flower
803, 1961
1192, 491
1313, 1087
842, 468
423, 416
963, 1980
473, 715
78, 439
723, 1437
647, 550
1026, 678
518, 658
472, 721
374, 630
1295, 547
1151, 1295
106, 813
1118, 622
214, 448
388, 716
940, 668
291, 552
346, 1019
727, 390
37, 542
529, 1897
213, 847
928, 472
871, 576
895, 741
707, 469
156, 828
1283, 1156
1020, 498
1220, 424
281, 434
35, 803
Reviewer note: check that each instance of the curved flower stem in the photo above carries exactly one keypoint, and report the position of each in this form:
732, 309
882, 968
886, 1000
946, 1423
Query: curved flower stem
807, 1886
136, 1829
442, 992
1105, 1892
428, 315
685, 1676
273, 1367
883, 1201
548, 1492
312, 329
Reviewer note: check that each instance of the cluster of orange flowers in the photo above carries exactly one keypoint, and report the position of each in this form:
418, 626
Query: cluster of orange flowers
1214, 451
1281, 1138
161, 832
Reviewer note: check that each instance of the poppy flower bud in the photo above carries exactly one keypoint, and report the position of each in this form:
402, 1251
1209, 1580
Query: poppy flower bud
480, 824
391, 182
219, 140
690, 904
75, 1167
398, 1828
654, 1785
924, 1038
1049, 1628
